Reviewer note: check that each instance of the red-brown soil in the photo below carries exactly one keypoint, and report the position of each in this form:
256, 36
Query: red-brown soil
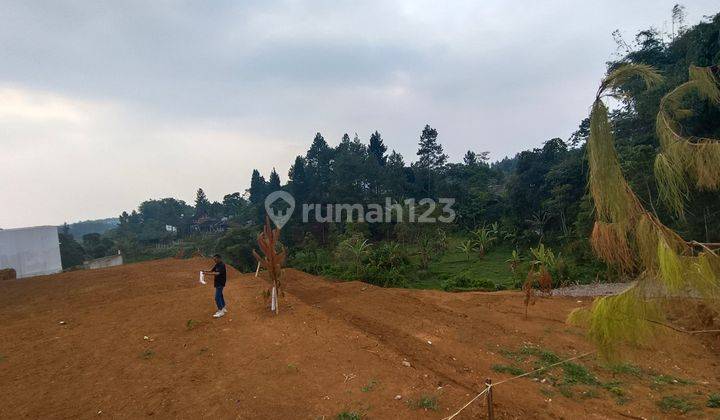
73, 346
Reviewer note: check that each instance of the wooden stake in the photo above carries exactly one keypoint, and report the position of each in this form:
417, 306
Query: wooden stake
491, 414
257, 270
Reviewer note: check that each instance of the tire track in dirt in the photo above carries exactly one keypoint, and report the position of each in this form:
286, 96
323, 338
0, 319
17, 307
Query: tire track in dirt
332, 301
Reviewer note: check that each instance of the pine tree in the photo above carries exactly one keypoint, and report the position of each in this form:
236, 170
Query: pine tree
274, 181
430, 152
202, 204
470, 158
319, 151
258, 188
377, 149
298, 180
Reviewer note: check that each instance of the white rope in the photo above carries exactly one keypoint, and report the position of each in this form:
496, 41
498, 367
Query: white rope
466, 405
516, 377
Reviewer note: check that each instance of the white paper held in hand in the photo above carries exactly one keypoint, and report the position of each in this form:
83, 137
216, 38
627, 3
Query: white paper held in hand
202, 278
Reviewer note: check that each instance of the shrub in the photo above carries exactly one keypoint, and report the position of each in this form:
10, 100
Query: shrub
464, 281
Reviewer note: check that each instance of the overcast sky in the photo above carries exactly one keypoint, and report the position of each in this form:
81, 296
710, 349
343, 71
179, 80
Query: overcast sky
106, 104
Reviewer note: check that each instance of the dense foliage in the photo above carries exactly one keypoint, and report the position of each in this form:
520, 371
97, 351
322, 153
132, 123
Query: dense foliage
538, 196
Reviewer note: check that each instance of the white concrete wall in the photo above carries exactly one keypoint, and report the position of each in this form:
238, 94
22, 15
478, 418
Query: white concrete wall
111, 261
30, 251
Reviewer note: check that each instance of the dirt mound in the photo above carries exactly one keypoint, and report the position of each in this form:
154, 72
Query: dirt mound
8, 274
139, 340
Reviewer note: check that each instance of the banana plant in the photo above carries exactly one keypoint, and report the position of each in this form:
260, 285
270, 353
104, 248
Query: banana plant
483, 238
467, 248
514, 261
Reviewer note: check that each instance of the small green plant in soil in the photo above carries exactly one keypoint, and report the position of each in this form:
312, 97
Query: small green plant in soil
625, 369
659, 381
713, 401
616, 389
192, 323
512, 370
546, 357
574, 373
370, 385
425, 402
676, 403
292, 368
148, 354
349, 415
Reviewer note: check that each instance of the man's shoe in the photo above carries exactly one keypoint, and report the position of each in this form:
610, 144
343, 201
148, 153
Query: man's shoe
218, 314
224, 310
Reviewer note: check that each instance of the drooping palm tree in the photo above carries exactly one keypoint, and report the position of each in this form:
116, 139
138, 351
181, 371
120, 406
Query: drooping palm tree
634, 239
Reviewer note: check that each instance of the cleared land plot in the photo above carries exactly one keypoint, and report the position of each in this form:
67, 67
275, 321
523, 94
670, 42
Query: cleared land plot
73, 345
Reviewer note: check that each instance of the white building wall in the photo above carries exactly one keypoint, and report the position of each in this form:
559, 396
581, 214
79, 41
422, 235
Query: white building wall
30, 251
104, 262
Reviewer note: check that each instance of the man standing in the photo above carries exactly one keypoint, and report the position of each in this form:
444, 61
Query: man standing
220, 274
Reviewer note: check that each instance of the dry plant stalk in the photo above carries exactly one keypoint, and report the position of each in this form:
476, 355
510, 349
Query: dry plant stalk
542, 278
272, 260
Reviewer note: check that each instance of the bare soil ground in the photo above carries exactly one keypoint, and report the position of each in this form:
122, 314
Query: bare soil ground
139, 340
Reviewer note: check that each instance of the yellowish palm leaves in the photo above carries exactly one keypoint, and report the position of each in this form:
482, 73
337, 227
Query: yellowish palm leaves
630, 237
684, 157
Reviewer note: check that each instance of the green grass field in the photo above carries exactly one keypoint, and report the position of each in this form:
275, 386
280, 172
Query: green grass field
492, 267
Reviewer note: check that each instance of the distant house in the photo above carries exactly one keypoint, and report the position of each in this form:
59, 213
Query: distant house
30, 251
103, 262
210, 224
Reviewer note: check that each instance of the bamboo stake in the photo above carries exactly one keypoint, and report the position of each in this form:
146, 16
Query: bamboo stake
491, 413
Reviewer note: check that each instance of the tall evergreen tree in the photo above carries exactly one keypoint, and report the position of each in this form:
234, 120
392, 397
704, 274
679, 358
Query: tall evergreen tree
430, 152
319, 151
298, 179
202, 204
377, 149
274, 181
470, 158
258, 188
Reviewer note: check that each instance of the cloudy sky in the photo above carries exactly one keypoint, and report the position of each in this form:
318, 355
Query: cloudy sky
106, 104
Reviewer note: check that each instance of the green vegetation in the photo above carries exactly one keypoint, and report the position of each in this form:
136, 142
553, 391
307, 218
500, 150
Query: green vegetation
676, 402
192, 323
578, 380
661, 380
624, 369
425, 402
147, 354
349, 415
512, 370
370, 385
713, 401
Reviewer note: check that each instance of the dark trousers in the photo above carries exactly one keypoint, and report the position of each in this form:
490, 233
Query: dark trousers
219, 298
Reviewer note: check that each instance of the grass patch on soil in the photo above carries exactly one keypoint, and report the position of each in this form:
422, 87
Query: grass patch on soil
425, 402
512, 370
579, 380
349, 415
676, 403
370, 385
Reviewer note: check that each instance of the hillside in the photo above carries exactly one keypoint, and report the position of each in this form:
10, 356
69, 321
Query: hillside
138, 340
